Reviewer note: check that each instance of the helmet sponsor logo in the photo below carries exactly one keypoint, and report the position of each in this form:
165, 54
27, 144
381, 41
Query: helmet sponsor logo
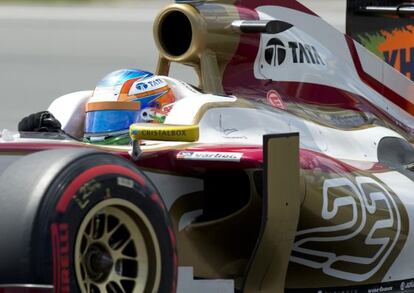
167, 108
153, 115
358, 234
149, 85
141, 86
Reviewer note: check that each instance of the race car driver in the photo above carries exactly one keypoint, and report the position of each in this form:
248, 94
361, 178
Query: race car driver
120, 99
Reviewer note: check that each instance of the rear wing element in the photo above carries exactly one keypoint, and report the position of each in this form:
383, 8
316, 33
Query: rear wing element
281, 204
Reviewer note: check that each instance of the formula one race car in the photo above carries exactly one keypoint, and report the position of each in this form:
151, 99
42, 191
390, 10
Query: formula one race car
292, 169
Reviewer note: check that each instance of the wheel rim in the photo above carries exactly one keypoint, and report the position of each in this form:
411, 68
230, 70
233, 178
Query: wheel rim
116, 250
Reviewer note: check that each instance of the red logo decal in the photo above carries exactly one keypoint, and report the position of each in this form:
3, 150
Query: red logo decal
275, 99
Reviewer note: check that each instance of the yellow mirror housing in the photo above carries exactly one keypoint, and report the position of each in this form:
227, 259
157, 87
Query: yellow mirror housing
164, 132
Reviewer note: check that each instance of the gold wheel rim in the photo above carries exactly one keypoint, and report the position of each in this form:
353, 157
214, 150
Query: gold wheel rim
116, 250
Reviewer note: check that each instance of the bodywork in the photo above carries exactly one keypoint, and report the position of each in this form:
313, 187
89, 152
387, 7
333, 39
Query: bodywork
328, 213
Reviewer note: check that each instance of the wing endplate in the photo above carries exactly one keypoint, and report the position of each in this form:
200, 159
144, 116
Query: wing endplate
281, 205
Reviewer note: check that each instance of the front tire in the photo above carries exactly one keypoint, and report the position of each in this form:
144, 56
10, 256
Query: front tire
96, 224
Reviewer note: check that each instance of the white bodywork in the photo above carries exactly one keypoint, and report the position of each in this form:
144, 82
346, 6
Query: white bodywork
232, 121
223, 121
338, 61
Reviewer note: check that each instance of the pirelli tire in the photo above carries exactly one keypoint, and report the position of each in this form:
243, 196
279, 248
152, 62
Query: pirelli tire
84, 221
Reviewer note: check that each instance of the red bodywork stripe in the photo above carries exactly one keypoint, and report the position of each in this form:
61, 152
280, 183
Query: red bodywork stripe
167, 159
379, 87
292, 4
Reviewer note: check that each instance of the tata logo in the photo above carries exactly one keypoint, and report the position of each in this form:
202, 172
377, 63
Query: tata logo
276, 53
142, 86
154, 83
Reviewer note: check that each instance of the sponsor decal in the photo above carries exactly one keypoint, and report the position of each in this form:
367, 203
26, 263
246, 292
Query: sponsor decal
278, 52
393, 286
153, 115
122, 181
149, 84
275, 99
380, 289
167, 108
229, 133
155, 131
61, 259
141, 86
407, 285
84, 193
163, 133
145, 91
338, 291
358, 234
281, 56
210, 156
275, 52
395, 47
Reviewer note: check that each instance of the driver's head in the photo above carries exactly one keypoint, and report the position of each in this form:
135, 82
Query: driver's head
122, 98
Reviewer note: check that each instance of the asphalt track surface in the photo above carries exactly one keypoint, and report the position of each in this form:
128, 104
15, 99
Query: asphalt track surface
46, 52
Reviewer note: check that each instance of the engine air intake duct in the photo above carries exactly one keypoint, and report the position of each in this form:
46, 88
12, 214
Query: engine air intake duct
180, 33
176, 33
204, 35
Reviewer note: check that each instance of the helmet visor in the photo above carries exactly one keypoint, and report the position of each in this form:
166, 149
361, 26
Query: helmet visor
106, 120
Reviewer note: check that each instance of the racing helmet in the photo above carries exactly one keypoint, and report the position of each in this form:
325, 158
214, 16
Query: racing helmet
122, 98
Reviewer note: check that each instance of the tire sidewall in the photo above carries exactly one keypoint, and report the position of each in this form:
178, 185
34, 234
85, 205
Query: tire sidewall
74, 193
